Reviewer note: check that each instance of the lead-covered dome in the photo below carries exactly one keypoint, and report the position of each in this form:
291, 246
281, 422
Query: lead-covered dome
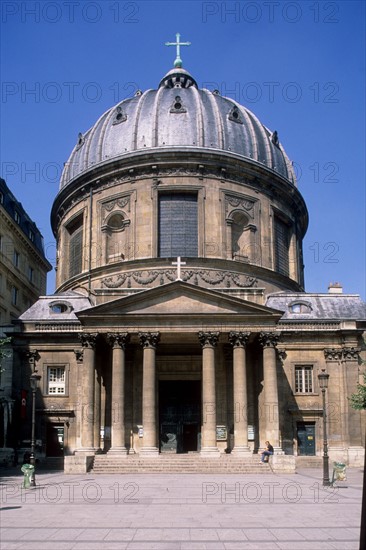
178, 114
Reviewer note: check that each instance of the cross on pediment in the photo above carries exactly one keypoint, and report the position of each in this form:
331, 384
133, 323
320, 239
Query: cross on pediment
178, 61
179, 263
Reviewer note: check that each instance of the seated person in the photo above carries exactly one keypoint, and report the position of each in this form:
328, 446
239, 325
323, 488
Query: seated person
267, 452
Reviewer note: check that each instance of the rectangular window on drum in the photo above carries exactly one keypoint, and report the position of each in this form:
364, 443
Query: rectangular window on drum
75, 230
178, 225
281, 246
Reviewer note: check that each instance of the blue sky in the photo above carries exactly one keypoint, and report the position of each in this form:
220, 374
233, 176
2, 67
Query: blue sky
299, 66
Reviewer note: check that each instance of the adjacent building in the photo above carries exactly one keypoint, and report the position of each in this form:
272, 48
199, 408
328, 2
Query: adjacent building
23, 272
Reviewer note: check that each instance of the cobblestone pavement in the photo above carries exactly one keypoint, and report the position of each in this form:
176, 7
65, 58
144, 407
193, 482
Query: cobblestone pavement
180, 511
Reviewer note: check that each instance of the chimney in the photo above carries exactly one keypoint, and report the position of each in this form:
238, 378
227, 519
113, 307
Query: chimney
335, 288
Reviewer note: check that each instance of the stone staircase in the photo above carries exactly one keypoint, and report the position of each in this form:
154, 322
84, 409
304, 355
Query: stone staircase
191, 463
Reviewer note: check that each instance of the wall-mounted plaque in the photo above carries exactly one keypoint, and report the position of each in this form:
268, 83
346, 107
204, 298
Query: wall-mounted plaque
221, 433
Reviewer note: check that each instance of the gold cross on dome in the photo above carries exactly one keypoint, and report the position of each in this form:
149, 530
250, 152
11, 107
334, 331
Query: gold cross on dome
178, 61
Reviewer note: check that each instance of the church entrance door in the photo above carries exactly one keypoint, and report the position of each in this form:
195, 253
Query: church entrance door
179, 415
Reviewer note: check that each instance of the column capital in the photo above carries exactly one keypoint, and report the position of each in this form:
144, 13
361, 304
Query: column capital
88, 339
239, 339
268, 339
149, 339
118, 339
79, 354
32, 356
350, 353
208, 338
332, 354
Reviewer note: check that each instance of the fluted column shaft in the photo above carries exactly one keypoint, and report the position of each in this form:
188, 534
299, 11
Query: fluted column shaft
149, 342
208, 440
239, 341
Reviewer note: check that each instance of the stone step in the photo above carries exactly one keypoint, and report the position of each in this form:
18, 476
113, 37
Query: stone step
178, 464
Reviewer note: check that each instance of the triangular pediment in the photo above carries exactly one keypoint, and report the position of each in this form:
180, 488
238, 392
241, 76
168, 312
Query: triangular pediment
179, 299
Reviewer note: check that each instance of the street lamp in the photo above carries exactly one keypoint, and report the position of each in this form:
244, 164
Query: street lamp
34, 379
323, 384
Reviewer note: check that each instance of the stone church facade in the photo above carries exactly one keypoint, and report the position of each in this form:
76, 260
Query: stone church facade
180, 322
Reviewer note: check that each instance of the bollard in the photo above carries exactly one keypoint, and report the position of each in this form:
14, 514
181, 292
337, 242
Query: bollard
27, 470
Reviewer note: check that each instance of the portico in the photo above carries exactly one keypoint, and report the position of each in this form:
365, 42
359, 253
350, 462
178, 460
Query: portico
197, 342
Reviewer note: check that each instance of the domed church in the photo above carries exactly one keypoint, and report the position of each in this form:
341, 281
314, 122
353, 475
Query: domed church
180, 324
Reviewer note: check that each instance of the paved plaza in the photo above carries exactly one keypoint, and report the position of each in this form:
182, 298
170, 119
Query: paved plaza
180, 511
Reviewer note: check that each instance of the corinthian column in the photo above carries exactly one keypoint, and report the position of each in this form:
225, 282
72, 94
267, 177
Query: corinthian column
149, 342
88, 341
239, 340
269, 341
118, 342
208, 342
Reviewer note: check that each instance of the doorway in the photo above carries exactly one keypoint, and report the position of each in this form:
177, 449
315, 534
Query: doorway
55, 440
306, 438
179, 415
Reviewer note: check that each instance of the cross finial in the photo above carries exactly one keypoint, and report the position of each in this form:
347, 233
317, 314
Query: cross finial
178, 61
178, 263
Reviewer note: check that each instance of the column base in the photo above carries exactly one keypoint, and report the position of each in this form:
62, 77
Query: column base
210, 452
120, 451
85, 451
244, 450
278, 450
149, 452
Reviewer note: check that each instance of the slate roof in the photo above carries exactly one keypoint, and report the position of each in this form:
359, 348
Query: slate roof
321, 306
41, 310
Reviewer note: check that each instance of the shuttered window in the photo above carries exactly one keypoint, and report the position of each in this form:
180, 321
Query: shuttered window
75, 246
178, 225
281, 246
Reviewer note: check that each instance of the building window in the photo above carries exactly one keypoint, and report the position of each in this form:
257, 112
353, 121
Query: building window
31, 235
14, 295
17, 217
75, 230
303, 379
56, 381
30, 274
178, 225
16, 257
1, 197
281, 246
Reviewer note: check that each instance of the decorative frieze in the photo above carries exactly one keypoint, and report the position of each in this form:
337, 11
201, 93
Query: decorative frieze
208, 338
196, 277
238, 203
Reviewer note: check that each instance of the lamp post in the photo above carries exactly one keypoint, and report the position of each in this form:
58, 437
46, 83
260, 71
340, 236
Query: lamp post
34, 379
323, 384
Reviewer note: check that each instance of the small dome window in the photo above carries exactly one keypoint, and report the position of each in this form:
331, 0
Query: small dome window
60, 307
119, 116
178, 106
81, 140
235, 115
300, 307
